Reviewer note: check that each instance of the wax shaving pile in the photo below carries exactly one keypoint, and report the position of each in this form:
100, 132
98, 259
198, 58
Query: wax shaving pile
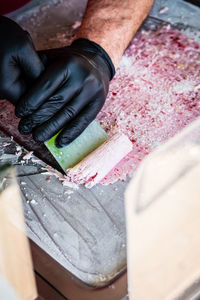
154, 94
92, 169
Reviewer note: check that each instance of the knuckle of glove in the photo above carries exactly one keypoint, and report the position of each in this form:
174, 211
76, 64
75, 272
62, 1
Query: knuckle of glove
69, 113
25, 126
39, 135
21, 109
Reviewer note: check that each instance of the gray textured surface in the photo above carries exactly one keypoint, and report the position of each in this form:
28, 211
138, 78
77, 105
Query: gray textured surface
50, 21
85, 231
181, 14
178, 12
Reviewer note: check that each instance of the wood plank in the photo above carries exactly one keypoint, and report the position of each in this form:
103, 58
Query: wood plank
71, 287
162, 209
15, 258
46, 291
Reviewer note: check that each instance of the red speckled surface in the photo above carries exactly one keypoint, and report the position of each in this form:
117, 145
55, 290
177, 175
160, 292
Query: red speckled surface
155, 93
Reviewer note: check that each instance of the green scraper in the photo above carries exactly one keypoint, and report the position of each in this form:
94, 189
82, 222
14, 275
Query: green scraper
91, 138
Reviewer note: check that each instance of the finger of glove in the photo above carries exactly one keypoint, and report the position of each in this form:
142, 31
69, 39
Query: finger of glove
48, 109
15, 91
44, 87
78, 124
63, 117
12, 85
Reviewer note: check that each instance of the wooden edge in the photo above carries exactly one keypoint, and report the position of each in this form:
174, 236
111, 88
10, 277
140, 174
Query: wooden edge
46, 291
68, 285
15, 256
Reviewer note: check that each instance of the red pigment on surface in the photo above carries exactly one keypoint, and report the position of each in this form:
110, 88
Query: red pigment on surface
154, 94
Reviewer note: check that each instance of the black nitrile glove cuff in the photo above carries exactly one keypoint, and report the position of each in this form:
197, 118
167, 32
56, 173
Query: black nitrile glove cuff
93, 47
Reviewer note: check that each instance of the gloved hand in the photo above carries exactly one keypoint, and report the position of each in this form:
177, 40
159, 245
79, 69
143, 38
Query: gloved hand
68, 95
19, 62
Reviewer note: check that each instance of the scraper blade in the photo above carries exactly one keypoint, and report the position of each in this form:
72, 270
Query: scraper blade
91, 138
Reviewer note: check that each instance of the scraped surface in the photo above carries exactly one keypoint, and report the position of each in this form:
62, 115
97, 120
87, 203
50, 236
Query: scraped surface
155, 93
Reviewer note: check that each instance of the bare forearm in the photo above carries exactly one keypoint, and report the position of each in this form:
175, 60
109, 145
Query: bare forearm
113, 23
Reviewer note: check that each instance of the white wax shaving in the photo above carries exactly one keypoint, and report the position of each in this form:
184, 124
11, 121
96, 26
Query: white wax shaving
5, 144
65, 180
92, 169
163, 10
76, 25
18, 150
28, 155
68, 192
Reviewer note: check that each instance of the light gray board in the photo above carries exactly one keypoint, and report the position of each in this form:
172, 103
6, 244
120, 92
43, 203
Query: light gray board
93, 236
84, 231
178, 11
181, 14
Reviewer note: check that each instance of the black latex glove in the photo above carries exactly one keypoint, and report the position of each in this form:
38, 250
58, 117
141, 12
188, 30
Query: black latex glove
68, 95
19, 62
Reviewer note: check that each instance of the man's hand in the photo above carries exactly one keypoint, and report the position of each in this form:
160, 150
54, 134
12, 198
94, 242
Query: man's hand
19, 62
69, 93
72, 89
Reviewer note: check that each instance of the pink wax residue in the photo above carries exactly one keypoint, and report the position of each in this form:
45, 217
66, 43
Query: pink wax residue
163, 10
93, 168
154, 94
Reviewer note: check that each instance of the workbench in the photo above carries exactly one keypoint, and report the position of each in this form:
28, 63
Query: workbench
81, 235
